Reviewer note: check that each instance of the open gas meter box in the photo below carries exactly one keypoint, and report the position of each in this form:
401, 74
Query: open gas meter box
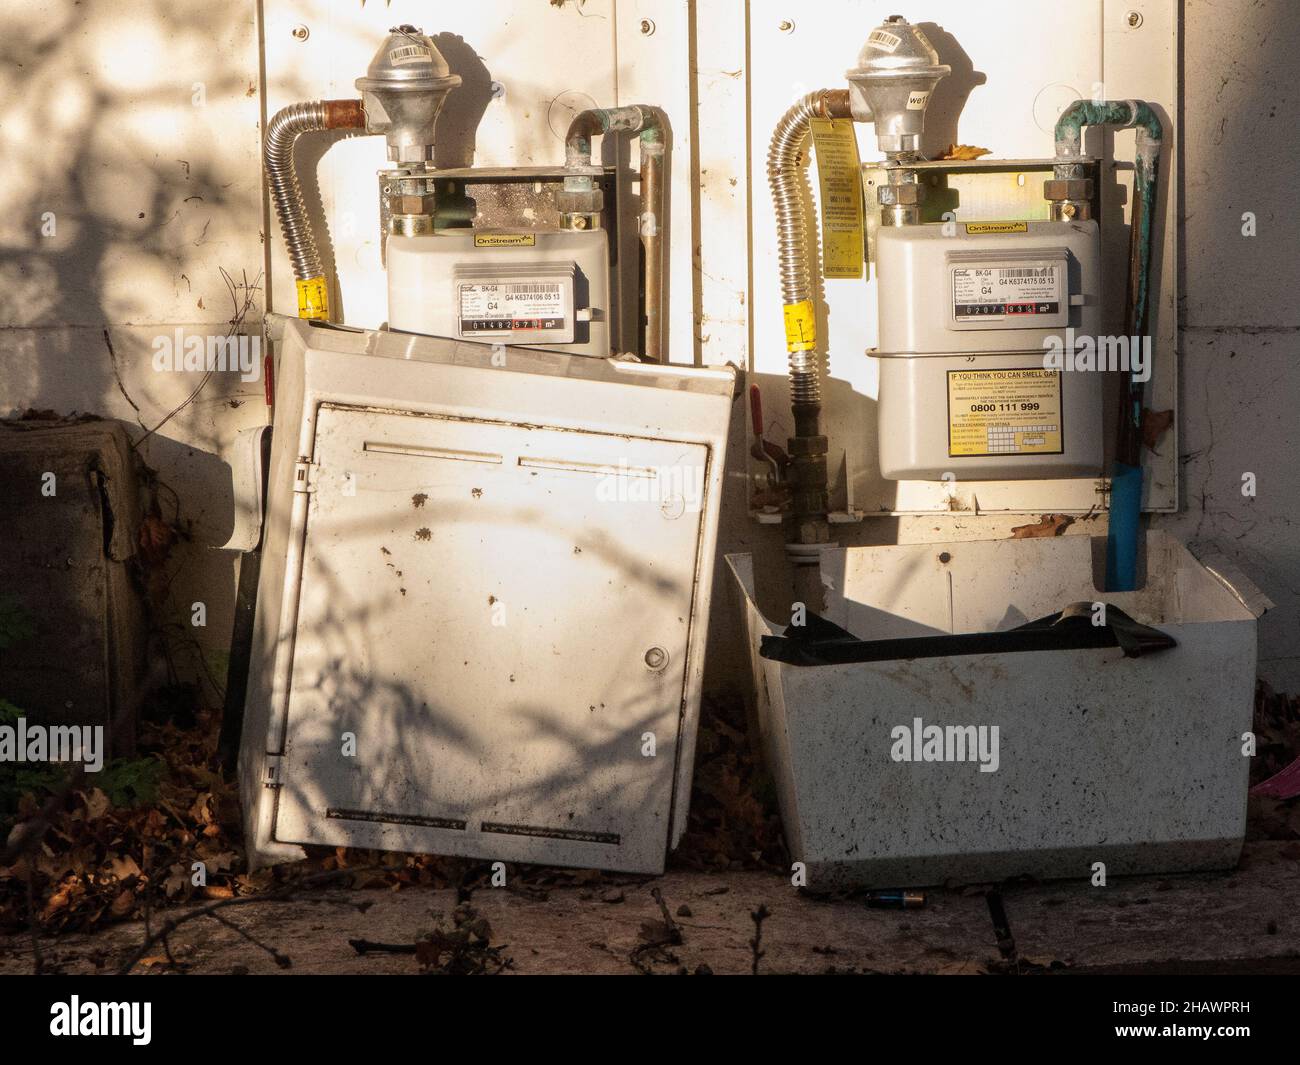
478, 627
490, 526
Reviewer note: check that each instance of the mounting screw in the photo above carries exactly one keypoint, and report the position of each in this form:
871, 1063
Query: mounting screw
786, 25
1134, 19
647, 26
301, 32
656, 658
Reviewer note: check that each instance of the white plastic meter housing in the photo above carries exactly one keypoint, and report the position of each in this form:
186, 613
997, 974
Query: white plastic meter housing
535, 288
965, 322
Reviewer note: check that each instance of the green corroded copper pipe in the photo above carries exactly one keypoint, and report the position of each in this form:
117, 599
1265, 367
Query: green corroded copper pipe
1122, 114
1126, 477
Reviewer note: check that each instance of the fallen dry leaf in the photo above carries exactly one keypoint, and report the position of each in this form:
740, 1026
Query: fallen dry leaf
123, 866
97, 803
1154, 425
963, 153
123, 904
155, 538
1047, 525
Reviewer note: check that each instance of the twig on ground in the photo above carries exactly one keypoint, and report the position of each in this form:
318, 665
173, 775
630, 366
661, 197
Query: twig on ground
280, 894
282, 960
367, 946
755, 945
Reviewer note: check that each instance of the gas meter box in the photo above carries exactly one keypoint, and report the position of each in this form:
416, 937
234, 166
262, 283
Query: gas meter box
540, 288
967, 320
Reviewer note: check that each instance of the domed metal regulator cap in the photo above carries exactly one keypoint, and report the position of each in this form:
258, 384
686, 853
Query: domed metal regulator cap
404, 88
897, 70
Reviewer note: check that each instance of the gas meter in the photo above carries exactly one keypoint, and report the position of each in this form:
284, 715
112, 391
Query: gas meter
988, 324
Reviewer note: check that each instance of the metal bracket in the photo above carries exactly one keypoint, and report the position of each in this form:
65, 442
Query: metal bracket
304, 476
271, 776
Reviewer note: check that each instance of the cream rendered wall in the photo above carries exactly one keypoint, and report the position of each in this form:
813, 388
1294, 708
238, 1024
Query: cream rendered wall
129, 180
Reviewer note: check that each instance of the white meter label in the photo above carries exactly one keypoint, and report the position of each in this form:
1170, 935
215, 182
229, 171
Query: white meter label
508, 306
1004, 412
1027, 292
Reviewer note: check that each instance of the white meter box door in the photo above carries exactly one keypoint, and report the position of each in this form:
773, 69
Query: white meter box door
482, 667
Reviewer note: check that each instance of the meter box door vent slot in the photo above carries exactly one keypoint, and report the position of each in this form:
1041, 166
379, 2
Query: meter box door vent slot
976, 330
539, 288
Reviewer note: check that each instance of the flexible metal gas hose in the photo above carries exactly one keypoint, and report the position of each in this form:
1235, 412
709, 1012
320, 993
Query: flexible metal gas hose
281, 133
809, 498
786, 178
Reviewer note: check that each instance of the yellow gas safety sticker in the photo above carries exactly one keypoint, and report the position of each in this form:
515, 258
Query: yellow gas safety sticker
800, 326
313, 298
1004, 412
840, 196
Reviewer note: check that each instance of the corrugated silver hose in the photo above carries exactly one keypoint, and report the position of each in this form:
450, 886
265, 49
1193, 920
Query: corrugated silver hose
785, 175
281, 132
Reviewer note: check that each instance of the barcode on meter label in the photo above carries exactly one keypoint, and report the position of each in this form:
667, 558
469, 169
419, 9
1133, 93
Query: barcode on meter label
512, 306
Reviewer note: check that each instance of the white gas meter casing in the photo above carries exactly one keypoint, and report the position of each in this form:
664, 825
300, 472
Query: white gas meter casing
968, 315
483, 600
540, 288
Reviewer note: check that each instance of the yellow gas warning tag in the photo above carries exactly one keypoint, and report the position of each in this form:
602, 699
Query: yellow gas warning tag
981, 228
840, 195
1004, 412
800, 326
505, 240
313, 298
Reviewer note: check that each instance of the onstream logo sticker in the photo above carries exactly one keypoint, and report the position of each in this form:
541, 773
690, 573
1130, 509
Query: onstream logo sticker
505, 240
985, 228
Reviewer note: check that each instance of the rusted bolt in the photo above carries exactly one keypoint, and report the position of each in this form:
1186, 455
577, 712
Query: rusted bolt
786, 25
1134, 19
1067, 189
944, 557
656, 658
647, 27
301, 32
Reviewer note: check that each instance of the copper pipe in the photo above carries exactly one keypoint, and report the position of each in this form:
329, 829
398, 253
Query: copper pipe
282, 133
577, 156
652, 157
